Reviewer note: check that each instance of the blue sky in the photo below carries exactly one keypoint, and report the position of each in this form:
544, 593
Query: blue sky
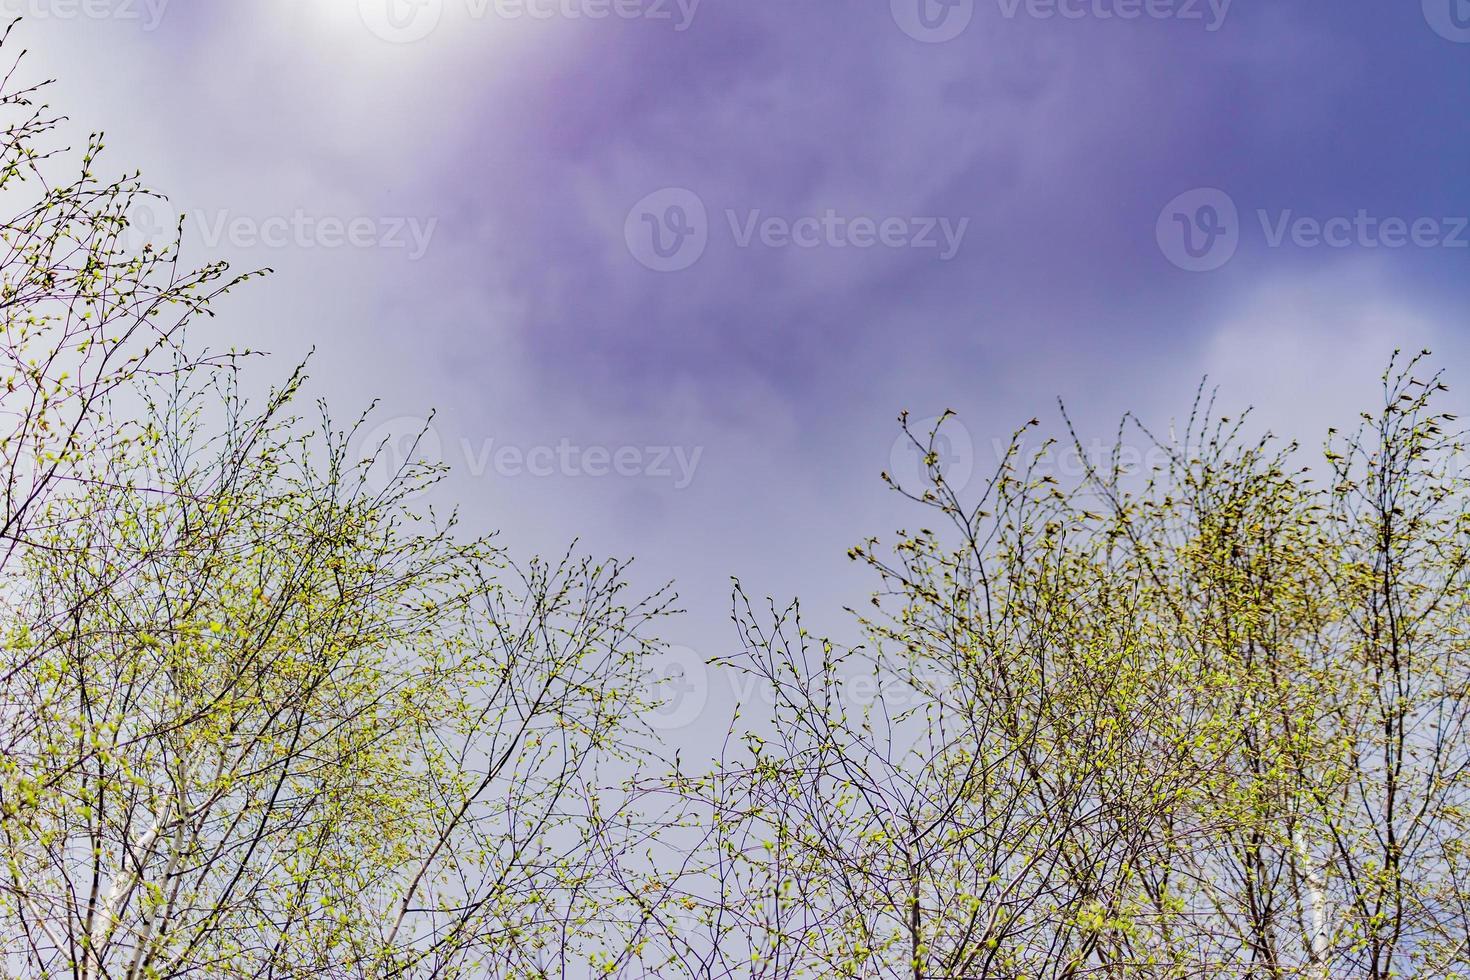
863, 207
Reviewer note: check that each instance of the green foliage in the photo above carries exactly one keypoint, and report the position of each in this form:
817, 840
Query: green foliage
259, 718
1207, 720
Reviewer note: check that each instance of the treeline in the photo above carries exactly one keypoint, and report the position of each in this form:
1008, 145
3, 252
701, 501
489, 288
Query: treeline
263, 717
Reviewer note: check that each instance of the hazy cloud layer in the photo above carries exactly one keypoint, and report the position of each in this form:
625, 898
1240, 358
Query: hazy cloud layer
850, 215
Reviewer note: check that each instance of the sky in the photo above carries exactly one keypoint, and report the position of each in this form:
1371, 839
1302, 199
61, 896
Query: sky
666, 271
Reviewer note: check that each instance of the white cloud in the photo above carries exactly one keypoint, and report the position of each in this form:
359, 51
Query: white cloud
1308, 351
